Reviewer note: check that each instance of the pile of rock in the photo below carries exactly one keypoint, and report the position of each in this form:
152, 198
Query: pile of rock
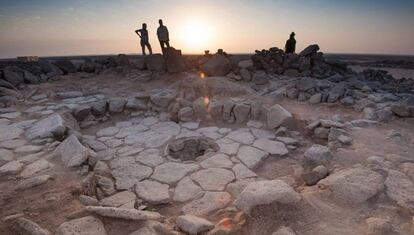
309, 62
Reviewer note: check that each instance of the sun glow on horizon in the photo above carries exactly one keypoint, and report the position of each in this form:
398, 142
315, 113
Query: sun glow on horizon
196, 34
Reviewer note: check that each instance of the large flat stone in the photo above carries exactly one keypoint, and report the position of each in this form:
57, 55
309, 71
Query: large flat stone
251, 157
172, 172
241, 136
218, 160
153, 191
128, 176
214, 179
150, 157
275, 148
186, 190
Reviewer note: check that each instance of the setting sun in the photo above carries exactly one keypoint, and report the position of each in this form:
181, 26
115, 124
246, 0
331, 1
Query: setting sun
196, 34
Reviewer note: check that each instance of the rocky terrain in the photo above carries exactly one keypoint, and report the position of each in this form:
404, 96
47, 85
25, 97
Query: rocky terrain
271, 143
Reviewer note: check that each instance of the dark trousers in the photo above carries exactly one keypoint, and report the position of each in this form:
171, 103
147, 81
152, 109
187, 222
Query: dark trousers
163, 44
146, 44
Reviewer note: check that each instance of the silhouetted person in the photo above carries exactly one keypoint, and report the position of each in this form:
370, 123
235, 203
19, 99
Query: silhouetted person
143, 34
163, 36
290, 46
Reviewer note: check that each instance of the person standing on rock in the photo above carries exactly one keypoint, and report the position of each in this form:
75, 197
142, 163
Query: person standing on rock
163, 36
143, 34
290, 46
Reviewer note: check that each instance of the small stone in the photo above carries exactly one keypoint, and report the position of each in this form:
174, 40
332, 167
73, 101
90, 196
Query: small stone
88, 201
11, 168
109, 131
127, 214
32, 182
35, 168
193, 225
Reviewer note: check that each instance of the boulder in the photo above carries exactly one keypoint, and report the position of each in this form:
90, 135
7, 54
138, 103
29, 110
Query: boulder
317, 155
336, 93
245, 74
193, 225
26, 226
245, 64
260, 78
305, 84
217, 65
265, 193
13, 75
155, 62
400, 189
162, 97
88, 66
55, 126
353, 185
185, 114
241, 112
405, 108
277, 116
72, 152
66, 66
116, 105
310, 50
30, 77
88, 225
174, 60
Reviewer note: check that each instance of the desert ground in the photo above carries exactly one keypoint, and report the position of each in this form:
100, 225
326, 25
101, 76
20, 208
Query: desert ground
269, 143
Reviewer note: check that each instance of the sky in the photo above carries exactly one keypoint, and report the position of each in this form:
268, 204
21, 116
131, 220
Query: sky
91, 27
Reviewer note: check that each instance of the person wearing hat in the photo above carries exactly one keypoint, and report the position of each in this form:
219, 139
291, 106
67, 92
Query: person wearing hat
290, 46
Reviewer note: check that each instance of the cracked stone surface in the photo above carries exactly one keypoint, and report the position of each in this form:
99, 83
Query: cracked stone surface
152, 191
219, 160
128, 176
172, 172
150, 157
273, 147
251, 157
186, 190
214, 179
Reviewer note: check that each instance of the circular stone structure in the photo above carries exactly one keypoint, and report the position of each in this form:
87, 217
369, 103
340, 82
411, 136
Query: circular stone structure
190, 148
